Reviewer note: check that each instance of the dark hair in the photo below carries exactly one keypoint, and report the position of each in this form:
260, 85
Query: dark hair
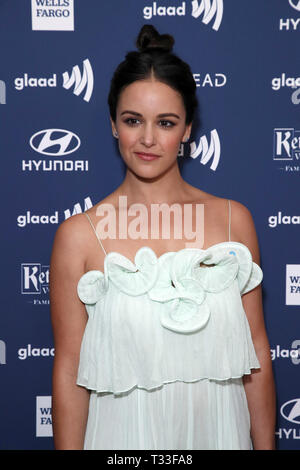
154, 57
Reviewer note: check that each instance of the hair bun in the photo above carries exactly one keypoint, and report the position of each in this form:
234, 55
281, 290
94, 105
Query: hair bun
149, 38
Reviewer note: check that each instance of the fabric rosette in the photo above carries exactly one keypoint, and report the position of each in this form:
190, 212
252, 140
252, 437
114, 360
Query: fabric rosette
132, 278
184, 309
180, 280
214, 269
91, 287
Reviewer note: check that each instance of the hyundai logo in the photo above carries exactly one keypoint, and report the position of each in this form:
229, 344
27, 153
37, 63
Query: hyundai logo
295, 4
54, 142
291, 410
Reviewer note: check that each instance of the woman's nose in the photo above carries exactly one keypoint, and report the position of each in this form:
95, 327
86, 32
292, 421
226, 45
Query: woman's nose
148, 136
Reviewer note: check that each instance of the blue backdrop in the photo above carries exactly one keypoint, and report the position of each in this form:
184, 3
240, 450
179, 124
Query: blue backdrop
56, 61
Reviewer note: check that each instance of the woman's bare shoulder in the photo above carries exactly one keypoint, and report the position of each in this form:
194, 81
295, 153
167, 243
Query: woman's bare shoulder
76, 227
197, 195
243, 228
240, 210
72, 230
241, 219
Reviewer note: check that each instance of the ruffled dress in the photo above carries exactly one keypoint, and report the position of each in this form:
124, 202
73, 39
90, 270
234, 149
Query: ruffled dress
165, 348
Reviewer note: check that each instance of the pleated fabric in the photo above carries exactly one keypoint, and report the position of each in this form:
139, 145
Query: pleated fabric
165, 348
204, 415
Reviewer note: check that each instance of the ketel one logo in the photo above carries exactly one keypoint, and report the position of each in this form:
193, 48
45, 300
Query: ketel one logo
86, 81
286, 144
55, 142
291, 411
295, 4
209, 10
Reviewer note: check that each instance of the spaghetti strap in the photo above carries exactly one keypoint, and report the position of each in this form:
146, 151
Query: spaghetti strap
95, 232
229, 218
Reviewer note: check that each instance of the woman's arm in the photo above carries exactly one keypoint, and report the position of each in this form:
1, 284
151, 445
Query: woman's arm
259, 385
68, 315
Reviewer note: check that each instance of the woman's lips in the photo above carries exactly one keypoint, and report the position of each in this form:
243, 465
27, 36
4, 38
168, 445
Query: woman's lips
146, 156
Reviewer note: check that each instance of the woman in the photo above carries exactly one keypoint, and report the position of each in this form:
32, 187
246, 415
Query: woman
158, 344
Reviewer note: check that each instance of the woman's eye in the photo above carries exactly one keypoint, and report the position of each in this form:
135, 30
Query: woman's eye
166, 123
132, 121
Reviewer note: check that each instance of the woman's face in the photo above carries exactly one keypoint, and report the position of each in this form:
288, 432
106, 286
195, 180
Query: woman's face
150, 120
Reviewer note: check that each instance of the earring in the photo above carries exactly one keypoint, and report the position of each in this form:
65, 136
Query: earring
116, 134
186, 139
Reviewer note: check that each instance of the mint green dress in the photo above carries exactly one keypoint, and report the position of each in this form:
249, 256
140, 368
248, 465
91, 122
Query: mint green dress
165, 348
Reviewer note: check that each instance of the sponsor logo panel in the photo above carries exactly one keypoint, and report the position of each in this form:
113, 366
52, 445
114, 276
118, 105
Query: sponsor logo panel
286, 149
52, 15
292, 291
210, 12
290, 412
80, 82
44, 416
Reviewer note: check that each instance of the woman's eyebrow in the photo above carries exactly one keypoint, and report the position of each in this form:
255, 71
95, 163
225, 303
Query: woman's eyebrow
159, 115
130, 112
168, 114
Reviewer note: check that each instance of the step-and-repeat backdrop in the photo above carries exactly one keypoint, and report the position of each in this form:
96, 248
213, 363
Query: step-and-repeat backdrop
58, 158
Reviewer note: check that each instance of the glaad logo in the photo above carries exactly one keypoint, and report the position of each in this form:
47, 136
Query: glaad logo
291, 411
275, 220
29, 351
2, 92
284, 81
2, 352
86, 80
291, 82
77, 208
293, 353
61, 141
208, 152
295, 98
208, 8
81, 82
156, 10
35, 276
42, 82
29, 218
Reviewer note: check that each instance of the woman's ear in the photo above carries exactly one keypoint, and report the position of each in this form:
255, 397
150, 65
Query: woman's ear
187, 132
113, 127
